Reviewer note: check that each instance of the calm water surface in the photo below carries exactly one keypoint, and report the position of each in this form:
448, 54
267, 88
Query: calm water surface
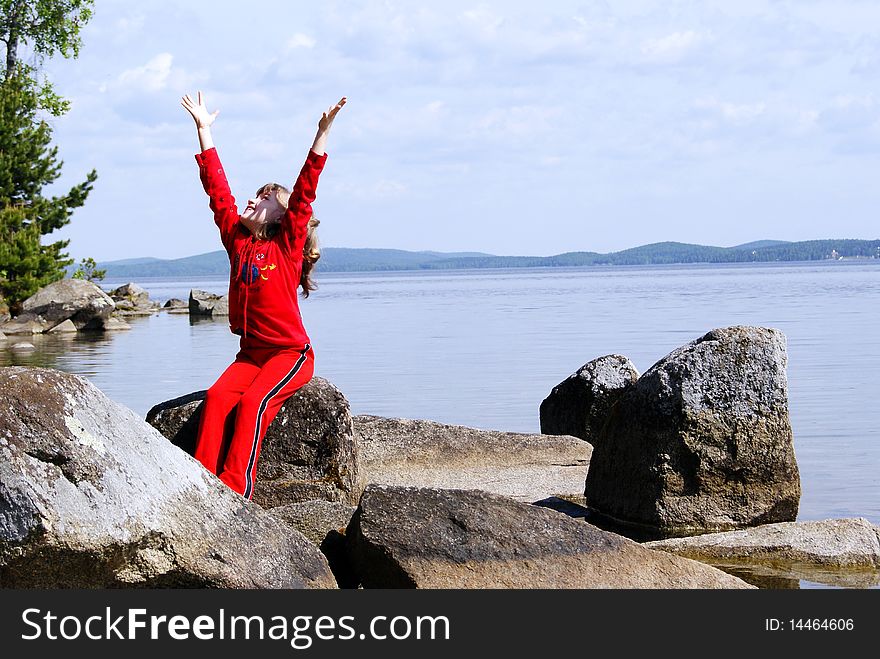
483, 348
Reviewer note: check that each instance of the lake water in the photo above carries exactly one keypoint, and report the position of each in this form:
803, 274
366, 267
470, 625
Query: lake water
484, 348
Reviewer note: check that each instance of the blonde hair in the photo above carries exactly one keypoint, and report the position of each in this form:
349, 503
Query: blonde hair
311, 254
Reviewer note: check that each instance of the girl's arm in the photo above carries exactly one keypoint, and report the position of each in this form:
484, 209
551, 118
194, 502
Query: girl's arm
299, 207
211, 171
324, 125
203, 119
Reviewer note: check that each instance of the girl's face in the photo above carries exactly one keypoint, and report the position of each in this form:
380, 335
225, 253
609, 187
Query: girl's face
260, 210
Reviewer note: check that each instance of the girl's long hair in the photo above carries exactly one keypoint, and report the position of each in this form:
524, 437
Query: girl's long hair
311, 254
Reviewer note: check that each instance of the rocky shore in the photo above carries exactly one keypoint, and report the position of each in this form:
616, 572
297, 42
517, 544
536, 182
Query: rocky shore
75, 305
642, 481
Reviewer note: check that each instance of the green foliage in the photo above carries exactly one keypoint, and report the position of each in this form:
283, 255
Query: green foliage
42, 28
88, 270
34, 30
28, 163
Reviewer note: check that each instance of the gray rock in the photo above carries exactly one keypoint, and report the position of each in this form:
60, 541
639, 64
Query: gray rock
837, 543
579, 405
428, 538
26, 323
702, 441
308, 452
175, 303
316, 518
83, 302
93, 497
135, 295
112, 324
23, 346
64, 327
323, 523
202, 303
420, 453
133, 300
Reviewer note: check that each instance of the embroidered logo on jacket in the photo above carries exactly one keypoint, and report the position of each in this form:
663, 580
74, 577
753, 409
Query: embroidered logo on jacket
252, 272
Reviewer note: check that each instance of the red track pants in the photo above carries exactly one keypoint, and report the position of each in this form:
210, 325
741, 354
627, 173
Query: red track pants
259, 380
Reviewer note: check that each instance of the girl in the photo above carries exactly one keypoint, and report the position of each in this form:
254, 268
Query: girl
272, 248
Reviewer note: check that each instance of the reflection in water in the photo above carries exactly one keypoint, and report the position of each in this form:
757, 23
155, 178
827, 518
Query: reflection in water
799, 575
50, 348
775, 575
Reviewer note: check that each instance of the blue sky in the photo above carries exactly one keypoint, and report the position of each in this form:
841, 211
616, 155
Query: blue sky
503, 127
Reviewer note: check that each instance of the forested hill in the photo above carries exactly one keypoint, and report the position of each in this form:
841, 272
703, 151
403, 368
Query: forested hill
337, 259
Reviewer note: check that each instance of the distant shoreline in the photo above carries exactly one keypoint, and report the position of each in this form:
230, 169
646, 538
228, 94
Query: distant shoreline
338, 259
422, 271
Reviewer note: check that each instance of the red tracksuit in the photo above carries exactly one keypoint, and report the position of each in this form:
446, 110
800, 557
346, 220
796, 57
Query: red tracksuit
275, 357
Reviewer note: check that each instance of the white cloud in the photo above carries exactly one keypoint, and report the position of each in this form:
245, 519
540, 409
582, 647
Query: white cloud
732, 112
152, 76
674, 47
485, 21
127, 26
383, 189
518, 121
435, 108
300, 40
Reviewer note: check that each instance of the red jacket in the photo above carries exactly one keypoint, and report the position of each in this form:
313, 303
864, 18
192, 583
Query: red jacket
264, 274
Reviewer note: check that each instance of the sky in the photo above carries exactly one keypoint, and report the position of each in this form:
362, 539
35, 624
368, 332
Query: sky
507, 127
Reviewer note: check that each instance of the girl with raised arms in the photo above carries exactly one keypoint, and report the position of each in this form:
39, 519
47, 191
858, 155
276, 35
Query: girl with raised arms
272, 248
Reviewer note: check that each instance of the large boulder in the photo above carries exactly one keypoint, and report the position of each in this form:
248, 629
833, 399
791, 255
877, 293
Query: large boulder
404, 537
308, 452
202, 303
421, 453
579, 405
702, 441
83, 302
93, 497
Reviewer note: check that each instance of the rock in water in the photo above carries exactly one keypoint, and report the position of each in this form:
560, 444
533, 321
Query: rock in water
702, 441
83, 302
131, 292
93, 497
202, 303
27, 324
579, 405
834, 543
402, 537
308, 452
133, 300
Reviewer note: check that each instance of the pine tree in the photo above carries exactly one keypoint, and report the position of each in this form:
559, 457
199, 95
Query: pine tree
28, 162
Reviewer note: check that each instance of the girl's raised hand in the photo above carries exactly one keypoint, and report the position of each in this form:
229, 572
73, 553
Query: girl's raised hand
327, 118
199, 112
